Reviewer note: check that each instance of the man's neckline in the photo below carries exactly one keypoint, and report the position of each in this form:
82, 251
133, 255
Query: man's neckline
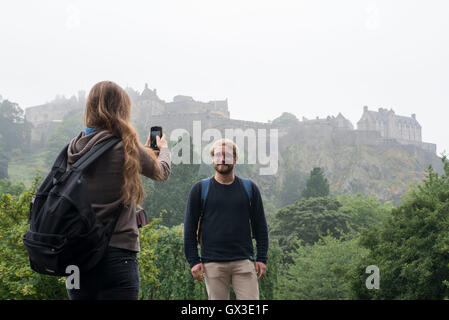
225, 184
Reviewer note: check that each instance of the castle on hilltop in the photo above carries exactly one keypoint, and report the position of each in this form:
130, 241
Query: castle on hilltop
404, 130
390, 125
374, 127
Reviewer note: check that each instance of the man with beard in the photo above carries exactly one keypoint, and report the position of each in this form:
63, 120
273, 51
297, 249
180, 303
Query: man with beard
221, 214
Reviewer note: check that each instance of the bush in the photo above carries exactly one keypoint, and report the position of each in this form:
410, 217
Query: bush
322, 270
411, 249
17, 280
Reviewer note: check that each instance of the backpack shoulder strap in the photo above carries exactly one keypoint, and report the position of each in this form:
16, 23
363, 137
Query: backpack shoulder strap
61, 160
94, 153
248, 188
249, 191
205, 183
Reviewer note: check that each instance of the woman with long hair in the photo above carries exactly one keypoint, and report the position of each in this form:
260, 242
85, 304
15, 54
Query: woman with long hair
115, 184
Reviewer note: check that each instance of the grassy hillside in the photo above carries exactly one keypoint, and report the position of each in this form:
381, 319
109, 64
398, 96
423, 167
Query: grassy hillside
23, 167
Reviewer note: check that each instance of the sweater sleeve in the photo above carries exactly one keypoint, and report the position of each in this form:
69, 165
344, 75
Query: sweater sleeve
259, 224
157, 168
190, 225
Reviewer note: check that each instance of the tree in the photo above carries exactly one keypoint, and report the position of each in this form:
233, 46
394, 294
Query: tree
286, 119
411, 249
321, 271
364, 211
317, 185
17, 280
15, 133
307, 220
292, 185
14, 129
3, 161
165, 271
170, 197
7, 186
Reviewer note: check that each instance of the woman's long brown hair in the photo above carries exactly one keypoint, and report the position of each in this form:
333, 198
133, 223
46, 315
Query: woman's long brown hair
108, 107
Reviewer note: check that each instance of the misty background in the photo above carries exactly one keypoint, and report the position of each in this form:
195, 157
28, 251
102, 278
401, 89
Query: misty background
341, 200
310, 58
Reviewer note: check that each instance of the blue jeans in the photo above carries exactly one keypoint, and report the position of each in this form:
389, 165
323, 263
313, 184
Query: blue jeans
115, 277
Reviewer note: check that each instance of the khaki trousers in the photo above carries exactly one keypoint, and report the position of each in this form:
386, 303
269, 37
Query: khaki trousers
241, 274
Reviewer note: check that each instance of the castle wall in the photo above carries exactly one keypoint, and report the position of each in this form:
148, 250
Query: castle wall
48, 112
182, 113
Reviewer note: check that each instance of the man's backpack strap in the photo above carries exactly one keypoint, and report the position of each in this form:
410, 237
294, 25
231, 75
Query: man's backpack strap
205, 183
248, 188
249, 191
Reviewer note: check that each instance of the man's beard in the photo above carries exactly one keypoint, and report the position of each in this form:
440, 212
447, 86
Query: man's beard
223, 168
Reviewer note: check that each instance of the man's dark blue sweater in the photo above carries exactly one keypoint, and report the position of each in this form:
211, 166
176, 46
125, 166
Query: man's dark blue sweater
225, 225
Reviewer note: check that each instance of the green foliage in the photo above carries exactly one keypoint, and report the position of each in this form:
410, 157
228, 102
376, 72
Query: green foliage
269, 284
316, 185
322, 270
170, 197
17, 280
15, 133
165, 272
292, 185
411, 249
14, 129
7, 186
307, 220
3, 162
364, 211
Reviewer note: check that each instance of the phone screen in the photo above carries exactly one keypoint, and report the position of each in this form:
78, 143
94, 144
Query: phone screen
155, 132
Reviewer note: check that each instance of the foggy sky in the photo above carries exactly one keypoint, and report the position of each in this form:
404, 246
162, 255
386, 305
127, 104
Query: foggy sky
311, 58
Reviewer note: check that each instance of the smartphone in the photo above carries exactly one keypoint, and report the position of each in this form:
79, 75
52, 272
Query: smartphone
155, 131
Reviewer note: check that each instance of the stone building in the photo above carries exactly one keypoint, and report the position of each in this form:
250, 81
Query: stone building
390, 125
337, 122
185, 104
46, 117
404, 130
148, 107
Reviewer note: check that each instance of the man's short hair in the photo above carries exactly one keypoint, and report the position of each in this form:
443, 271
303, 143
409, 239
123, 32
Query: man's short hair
227, 143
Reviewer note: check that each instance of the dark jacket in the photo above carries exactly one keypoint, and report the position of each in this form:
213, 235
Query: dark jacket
105, 180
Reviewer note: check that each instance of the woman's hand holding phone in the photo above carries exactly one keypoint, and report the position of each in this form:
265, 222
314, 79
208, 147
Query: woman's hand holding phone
161, 142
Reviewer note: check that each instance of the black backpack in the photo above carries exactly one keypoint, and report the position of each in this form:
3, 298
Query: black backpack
64, 229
